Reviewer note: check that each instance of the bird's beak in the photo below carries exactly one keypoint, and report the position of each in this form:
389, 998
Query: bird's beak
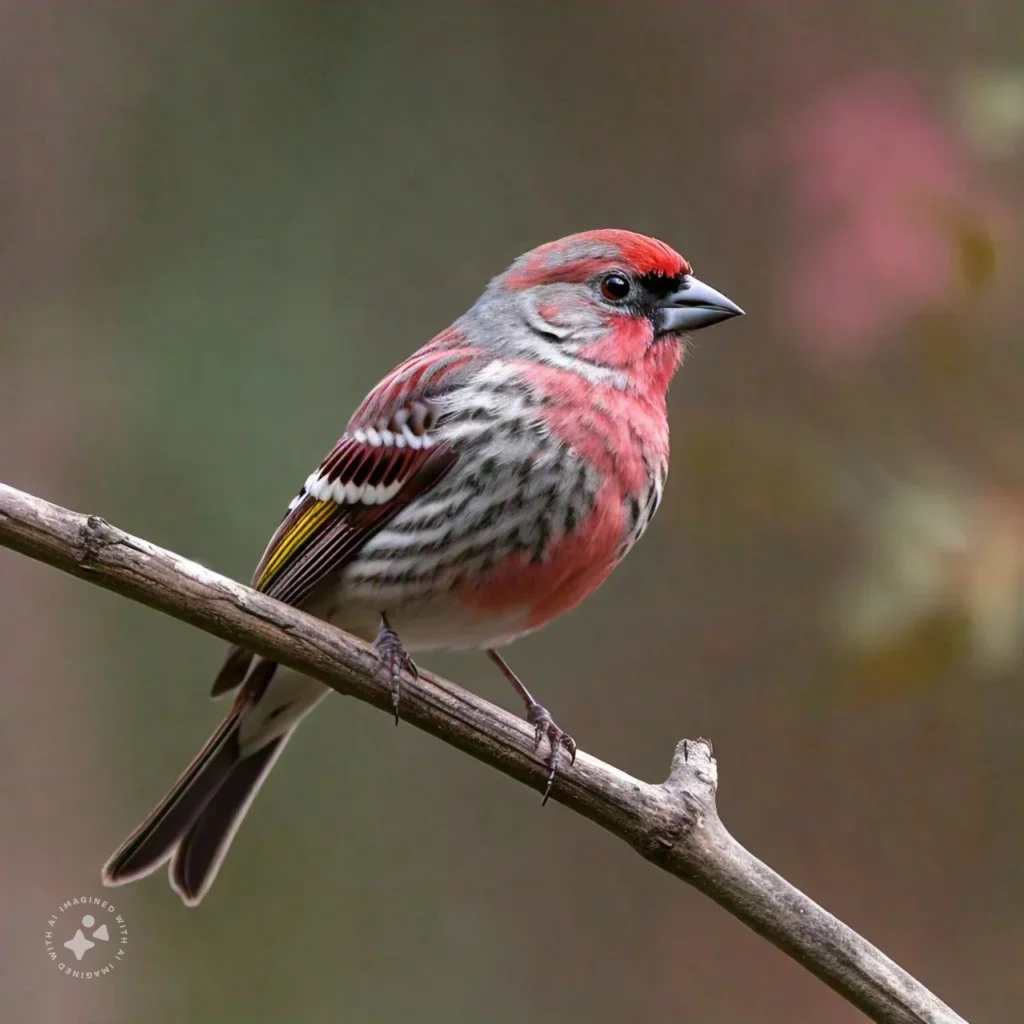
693, 306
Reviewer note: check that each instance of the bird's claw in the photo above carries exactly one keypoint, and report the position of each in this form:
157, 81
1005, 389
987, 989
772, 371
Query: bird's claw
558, 739
395, 660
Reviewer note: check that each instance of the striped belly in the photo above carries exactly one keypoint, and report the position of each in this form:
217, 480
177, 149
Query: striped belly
522, 529
495, 505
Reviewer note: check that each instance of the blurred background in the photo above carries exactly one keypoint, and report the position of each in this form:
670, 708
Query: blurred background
222, 223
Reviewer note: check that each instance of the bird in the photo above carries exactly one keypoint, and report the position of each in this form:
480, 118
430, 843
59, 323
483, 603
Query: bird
487, 485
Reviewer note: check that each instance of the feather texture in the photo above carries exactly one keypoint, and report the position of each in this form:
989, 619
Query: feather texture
387, 457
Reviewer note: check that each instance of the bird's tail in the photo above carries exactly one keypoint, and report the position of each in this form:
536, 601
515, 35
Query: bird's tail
194, 824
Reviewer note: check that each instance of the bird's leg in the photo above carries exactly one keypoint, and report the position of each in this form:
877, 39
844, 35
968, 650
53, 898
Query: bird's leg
540, 718
396, 659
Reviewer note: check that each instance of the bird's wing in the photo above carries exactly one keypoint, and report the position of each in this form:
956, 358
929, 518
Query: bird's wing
386, 458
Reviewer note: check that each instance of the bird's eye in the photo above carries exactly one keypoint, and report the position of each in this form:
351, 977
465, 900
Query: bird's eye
615, 287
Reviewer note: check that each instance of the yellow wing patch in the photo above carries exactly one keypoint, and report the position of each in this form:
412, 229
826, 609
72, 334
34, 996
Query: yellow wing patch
303, 529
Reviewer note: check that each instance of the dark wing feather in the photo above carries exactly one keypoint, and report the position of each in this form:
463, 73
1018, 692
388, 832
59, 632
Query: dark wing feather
317, 538
387, 446
324, 535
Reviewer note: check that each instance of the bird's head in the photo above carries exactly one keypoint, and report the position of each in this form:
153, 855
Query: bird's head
610, 298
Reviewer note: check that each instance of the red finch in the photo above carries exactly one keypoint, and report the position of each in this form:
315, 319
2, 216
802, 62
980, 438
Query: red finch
486, 485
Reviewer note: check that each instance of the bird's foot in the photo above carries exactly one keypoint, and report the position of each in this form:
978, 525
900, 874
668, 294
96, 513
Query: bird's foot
558, 740
395, 660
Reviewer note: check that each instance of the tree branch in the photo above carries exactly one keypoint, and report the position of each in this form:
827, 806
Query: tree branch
675, 825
